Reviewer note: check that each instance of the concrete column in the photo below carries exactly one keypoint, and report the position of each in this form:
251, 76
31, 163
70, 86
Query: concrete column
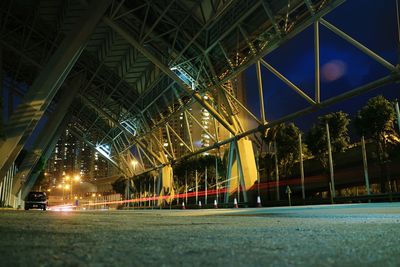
30, 182
67, 95
26, 116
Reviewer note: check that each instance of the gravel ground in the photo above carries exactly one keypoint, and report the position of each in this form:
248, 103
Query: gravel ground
340, 235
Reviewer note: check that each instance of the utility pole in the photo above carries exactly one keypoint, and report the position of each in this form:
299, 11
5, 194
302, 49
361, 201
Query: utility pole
205, 185
127, 192
398, 114
276, 171
186, 188
197, 187
328, 137
365, 164
216, 174
303, 193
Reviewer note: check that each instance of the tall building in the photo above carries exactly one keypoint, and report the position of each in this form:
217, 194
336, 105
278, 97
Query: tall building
74, 157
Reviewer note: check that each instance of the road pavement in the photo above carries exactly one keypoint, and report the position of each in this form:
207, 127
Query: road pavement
331, 235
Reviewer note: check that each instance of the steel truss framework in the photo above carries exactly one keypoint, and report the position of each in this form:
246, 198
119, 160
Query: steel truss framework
149, 62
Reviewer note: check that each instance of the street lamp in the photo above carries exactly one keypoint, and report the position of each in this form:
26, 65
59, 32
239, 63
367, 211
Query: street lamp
65, 186
77, 178
127, 190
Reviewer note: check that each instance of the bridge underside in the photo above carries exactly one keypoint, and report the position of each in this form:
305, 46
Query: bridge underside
129, 76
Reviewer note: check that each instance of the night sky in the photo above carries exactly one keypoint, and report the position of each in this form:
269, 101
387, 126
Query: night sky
343, 67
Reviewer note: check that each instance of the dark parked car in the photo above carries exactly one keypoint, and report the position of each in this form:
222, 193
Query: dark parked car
36, 200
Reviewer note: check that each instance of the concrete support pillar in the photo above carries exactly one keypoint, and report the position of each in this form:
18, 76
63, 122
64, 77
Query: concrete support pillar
5, 187
26, 116
242, 165
167, 188
31, 179
42, 142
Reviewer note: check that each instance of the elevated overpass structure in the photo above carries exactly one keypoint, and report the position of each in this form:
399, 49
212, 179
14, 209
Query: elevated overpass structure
121, 71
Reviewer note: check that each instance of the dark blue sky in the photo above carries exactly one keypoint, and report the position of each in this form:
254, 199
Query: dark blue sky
343, 67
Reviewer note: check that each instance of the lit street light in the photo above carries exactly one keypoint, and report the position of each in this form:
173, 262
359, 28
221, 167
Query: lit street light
77, 178
127, 191
63, 187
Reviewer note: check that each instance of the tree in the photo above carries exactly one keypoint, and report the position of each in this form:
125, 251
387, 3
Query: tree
287, 140
119, 185
143, 182
42, 181
190, 166
266, 160
375, 120
316, 138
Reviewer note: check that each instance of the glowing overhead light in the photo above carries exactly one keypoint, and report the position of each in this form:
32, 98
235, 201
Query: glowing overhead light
104, 149
130, 126
184, 76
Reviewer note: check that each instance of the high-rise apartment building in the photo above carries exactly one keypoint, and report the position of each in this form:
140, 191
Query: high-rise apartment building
74, 157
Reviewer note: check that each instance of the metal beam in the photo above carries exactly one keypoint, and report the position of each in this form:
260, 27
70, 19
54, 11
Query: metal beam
26, 116
117, 123
42, 142
31, 179
317, 94
260, 92
289, 83
275, 43
360, 46
128, 37
92, 146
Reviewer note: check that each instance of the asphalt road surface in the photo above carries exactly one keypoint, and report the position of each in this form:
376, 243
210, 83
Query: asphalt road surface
340, 235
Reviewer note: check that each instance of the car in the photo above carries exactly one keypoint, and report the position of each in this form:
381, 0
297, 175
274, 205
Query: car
36, 200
